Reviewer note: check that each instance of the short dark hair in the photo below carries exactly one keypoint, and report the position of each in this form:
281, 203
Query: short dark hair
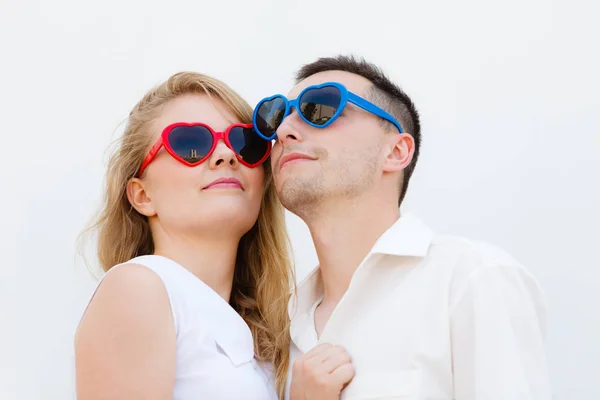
384, 93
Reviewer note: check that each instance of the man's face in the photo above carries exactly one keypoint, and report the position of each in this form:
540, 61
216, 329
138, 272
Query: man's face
342, 160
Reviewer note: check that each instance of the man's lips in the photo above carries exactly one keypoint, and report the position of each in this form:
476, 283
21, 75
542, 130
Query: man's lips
224, 183
293, 158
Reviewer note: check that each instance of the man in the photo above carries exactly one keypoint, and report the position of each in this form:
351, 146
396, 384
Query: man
392, 310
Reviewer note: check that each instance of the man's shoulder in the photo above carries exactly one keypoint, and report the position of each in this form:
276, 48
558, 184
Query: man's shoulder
476, 263
459, 259
456, 250
481, 253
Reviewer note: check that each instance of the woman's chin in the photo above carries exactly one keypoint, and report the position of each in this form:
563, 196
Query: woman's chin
224, 220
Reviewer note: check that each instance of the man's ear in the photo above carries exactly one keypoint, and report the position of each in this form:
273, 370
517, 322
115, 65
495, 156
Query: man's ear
400, 151
138, 197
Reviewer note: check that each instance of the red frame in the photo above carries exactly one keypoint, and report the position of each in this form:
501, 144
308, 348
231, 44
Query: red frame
163, 140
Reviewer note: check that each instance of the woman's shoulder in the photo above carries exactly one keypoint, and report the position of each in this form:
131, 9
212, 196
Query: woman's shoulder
128, 314
131, 279
128, 294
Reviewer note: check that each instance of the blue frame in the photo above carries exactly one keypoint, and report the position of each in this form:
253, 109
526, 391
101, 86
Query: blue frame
346, 97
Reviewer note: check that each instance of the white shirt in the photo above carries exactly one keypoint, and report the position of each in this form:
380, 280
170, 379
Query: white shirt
430, 317
215, 350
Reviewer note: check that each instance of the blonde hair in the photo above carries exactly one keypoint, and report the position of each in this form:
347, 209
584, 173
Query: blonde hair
263, 272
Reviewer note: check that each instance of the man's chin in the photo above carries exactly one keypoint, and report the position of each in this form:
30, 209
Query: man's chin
296, 194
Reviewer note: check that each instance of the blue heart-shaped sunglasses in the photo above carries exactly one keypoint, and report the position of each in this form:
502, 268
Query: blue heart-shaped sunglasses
317, 105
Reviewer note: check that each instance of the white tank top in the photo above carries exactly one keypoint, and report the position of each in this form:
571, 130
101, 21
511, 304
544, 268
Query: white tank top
215, 351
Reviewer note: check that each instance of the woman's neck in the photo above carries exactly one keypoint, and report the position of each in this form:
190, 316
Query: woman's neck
211, 259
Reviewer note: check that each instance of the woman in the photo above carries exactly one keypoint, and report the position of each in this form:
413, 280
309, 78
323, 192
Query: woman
193, 238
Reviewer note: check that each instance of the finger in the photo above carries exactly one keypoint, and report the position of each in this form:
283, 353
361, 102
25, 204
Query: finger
337, 349
334, 351
335, 360
343, 375
324, 353
312, 360
319, 365
318, 352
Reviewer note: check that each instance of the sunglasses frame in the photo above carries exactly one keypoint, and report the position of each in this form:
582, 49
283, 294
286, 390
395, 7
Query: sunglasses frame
345, 97
163, 141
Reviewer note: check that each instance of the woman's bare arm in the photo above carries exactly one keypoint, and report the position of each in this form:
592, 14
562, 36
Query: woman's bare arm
125, 345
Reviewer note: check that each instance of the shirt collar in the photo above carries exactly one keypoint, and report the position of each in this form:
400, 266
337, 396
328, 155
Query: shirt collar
408, 236
230, 330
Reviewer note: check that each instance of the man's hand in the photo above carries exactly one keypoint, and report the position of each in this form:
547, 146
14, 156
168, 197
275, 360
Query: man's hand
321, 374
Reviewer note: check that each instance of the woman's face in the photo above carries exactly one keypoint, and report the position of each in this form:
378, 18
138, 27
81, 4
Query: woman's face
187, 200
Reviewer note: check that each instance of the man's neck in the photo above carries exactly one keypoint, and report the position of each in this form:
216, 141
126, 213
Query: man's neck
212, 260
343, 233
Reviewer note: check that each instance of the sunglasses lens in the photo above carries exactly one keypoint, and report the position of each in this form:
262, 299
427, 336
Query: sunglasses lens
269, 116
248, 145
191, 143
319, 105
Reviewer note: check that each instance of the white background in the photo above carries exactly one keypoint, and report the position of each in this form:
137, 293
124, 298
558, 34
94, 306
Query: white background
508, 92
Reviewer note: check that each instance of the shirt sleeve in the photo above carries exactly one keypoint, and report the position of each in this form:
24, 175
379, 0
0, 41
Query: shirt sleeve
498, 337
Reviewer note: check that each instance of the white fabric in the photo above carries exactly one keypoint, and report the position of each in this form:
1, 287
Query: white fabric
215, 352
433, 318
